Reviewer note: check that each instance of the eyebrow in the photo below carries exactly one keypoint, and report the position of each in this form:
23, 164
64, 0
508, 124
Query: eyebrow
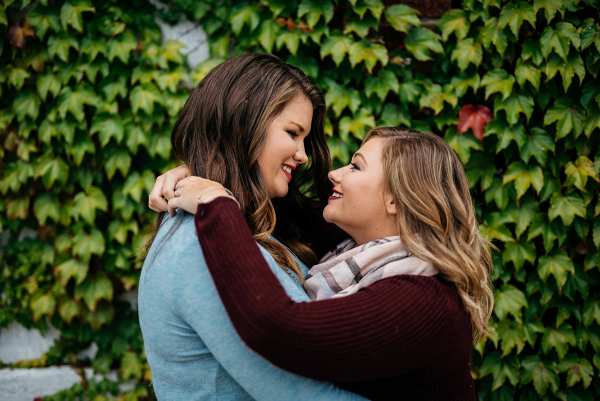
299, 126
358, 154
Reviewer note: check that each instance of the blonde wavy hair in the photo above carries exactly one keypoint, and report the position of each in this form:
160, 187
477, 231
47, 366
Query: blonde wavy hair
436, 219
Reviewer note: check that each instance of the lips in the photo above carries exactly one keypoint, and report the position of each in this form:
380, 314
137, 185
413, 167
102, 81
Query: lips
336, 195
287, 169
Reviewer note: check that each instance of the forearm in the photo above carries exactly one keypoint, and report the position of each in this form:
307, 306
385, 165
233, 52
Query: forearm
365, 336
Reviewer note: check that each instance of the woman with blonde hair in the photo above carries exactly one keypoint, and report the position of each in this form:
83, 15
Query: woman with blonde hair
399, 304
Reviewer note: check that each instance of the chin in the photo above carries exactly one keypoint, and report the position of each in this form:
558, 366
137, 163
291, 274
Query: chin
281, 192
327, 214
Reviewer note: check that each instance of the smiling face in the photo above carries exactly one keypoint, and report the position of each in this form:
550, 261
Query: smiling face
284, 147
358, 204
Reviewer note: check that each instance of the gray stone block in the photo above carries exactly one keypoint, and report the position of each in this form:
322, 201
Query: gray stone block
20, 344
27, 384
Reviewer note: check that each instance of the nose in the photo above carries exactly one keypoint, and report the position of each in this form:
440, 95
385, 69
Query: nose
300, 155
335, 176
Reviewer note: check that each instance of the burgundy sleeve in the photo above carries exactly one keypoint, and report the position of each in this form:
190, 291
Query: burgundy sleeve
321, 235
391, 327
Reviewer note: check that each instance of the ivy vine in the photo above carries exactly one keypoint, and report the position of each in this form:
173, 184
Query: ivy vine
89, 93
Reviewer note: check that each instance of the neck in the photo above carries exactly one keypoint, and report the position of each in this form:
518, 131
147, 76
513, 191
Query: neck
373, 232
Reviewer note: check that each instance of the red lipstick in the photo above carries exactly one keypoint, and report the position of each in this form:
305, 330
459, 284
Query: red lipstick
335, 197
288, 175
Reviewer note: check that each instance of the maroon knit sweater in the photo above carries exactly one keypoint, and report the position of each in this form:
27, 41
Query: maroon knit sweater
404, 337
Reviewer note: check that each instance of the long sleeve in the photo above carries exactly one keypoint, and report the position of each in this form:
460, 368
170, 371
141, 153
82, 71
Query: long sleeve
193, 350
394, 326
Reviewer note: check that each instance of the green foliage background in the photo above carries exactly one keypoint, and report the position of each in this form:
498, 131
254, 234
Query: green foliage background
88, 102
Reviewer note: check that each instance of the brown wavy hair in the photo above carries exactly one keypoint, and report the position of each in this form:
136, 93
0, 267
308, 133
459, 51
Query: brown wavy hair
221, 131
435, 218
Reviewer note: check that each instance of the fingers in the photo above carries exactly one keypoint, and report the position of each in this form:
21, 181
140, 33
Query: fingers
187, 180
173, 204
153, 207
186, 195
168, 189
155, 200
171, 179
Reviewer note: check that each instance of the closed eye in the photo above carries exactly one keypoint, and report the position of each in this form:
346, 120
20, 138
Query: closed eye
292, 133
354, 166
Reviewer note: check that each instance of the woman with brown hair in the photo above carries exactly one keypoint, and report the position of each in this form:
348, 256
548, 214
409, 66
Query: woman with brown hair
402, 301
246, 125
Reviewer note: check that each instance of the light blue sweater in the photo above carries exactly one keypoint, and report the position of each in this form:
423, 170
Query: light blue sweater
192, 348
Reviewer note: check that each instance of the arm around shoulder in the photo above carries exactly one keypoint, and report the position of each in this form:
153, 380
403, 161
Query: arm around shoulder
386, 329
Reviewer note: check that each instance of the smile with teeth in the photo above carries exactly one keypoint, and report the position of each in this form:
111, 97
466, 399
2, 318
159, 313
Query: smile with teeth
287, 170
336, 195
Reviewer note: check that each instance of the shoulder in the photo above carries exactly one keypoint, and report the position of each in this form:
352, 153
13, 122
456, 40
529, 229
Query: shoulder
413, 286
429, 298
179, 228
431, 307
176, 244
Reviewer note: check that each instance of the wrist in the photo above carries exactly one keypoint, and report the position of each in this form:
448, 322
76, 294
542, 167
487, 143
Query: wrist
216, 192
213, 195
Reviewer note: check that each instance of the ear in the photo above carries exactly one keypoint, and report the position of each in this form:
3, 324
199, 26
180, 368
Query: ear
390, 205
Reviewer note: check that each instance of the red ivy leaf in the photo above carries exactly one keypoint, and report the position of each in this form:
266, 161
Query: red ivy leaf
475, 118
19, 31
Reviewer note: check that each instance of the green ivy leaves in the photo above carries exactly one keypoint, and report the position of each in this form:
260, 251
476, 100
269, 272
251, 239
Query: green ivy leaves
70, 14
144, 97
514, 15
92, 290
579, 172
509, 300
524, 177
89, 104
85, 204
244, 16
558, 264
51, 169
559, 38
578, 369
27, 103
420, 42
338, 46
567, 207
73, 101
539, 200
541, 372
498, 80
402, 17
369, 53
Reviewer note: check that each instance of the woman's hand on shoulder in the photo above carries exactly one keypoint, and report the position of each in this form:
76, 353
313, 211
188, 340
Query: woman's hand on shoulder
193, 190
164, 188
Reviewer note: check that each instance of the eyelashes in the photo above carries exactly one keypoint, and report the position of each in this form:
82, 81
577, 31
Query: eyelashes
354, 166
292, 133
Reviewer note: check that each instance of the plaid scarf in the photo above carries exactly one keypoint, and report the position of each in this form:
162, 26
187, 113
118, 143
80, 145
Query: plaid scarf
348, 268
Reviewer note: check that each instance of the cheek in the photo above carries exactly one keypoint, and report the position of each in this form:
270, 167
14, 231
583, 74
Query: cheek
263, 165
276, 153
288, 148
268, 157
360, 194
